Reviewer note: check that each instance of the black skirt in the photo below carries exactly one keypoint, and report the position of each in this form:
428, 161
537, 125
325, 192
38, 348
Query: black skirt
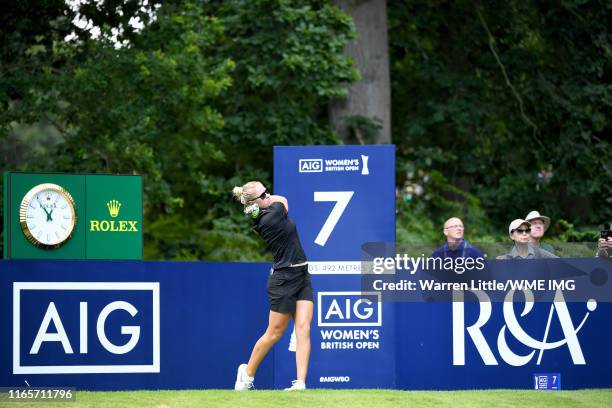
288, 285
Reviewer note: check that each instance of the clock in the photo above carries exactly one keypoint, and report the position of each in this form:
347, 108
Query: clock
47, 216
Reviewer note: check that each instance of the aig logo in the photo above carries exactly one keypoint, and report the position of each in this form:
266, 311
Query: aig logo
349, 309
86, 327
311, 165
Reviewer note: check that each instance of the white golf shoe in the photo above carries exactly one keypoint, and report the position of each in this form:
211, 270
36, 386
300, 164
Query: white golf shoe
296, 385
243, 381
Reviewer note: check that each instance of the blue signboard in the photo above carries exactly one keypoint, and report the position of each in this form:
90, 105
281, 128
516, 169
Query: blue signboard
130, 325
341, 197
86, 327
126, 325
449, 346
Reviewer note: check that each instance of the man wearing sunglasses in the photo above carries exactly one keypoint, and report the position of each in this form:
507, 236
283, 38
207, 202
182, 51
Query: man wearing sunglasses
520, 232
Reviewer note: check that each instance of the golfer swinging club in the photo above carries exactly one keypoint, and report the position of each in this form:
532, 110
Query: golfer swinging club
289, 287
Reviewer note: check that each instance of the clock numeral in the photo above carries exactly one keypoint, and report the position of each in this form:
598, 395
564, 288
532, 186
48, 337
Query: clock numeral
64, 206
33, 226
39, 234
30, 216
64, 228
67, 217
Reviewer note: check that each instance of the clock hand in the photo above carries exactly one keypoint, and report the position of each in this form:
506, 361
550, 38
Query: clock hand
54, 205
45, 210
49, 215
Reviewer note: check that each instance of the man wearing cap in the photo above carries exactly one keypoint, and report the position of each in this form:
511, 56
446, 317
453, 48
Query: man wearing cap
456, 246
539, 225
519, 231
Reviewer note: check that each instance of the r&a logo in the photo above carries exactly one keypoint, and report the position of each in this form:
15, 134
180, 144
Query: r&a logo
514, 328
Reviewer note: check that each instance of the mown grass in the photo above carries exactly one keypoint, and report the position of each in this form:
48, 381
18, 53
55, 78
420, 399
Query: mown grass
334, 399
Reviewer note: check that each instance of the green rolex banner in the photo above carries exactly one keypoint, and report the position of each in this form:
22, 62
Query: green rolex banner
114, 217
71, 216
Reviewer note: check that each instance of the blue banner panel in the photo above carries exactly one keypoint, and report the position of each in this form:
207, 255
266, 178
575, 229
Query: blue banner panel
123, 325
44, 313
352, 338
339, 197
130, 325
449, 346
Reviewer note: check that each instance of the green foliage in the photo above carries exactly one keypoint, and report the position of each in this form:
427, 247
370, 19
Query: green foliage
364, 128
150, 108
427, 199
498, 108
194, 102
509, 101
568, 233
289, 63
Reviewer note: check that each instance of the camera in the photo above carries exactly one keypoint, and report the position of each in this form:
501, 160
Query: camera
606, 232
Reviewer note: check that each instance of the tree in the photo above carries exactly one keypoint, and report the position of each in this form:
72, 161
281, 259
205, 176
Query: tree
508, 101
194, 102
365, 116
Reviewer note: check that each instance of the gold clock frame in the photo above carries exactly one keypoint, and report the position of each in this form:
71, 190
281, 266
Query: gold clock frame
25, 203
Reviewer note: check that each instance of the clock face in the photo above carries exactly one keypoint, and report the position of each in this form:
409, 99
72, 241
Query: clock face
47, 215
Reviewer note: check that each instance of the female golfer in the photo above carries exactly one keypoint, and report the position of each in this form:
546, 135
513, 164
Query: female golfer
289, 288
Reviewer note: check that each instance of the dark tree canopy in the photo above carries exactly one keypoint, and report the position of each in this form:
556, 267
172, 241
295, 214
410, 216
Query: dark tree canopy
508, 101
498, 107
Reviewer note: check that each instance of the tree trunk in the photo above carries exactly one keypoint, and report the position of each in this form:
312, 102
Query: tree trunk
369, 100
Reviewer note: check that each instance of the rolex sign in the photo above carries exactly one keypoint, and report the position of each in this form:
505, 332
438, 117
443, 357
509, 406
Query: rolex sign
114, 217
72, 216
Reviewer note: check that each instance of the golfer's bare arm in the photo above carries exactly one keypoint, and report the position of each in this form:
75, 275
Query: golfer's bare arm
280, 199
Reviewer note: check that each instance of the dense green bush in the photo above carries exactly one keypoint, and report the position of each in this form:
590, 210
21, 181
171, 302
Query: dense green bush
509, 102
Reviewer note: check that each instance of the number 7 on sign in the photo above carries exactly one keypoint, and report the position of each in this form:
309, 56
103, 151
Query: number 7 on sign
342, 199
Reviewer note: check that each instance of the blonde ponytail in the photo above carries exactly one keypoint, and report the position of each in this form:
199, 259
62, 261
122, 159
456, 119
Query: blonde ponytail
238, 193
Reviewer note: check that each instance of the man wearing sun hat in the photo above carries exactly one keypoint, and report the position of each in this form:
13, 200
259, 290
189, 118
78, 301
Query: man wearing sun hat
539, 225
520, 231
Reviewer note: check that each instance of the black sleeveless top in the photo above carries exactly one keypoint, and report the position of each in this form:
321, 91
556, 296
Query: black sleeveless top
281, 236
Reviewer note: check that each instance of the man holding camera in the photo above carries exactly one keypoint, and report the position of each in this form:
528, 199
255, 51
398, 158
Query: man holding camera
604, 245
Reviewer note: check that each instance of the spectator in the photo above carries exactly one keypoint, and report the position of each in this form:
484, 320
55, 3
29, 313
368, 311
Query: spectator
456, 246
519, 231
539, 225
604, 246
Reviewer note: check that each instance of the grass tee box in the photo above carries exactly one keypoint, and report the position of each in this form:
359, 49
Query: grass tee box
337, 399
106, 220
